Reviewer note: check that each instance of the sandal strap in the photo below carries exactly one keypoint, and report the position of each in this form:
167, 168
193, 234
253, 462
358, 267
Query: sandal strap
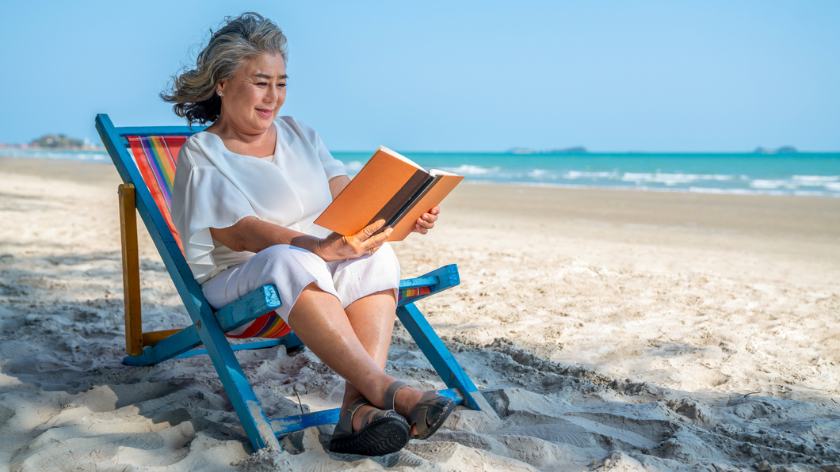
391, 394
372, 412
345, 422
428, 410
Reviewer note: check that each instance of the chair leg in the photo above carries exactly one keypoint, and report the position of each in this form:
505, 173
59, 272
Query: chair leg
441, 359
131, 271
235, 382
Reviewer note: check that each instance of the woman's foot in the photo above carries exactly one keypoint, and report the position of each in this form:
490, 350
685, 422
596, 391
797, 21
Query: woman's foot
425, 411
365, 430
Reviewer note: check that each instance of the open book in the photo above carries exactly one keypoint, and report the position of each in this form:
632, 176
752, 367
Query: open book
390, 187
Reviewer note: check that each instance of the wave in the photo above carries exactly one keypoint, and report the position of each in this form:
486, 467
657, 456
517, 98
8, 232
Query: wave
578, 174
354, 166
90, 156
815, 179
467, 169
674, 179
708, 190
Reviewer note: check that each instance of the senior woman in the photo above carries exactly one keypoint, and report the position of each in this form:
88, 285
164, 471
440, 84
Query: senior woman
247, 191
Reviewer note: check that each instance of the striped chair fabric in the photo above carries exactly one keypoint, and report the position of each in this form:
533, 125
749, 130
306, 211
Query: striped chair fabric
156, 157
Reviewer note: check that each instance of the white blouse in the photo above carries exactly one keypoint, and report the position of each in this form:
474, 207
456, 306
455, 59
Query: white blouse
215, 188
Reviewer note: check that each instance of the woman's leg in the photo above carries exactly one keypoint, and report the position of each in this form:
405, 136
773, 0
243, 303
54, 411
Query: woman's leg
354, 343
372, 318
324, 327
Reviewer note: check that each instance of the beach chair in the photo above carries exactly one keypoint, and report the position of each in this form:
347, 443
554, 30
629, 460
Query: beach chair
145, 158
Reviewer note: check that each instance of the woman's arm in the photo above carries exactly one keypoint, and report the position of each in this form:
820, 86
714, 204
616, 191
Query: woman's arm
253, 235
337, 184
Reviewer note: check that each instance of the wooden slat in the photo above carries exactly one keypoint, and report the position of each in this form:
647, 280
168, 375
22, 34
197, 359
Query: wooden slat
159, 130
131, 271
437, 280
290, 340
153, 337
167, 348
423, 281
250, 307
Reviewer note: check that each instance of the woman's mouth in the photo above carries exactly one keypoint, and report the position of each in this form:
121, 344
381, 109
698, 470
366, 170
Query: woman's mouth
264, 112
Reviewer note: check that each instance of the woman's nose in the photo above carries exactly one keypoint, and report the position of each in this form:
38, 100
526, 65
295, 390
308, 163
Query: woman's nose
271, 94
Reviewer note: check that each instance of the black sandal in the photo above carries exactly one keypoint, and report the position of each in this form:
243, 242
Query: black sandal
428, 415
385, 433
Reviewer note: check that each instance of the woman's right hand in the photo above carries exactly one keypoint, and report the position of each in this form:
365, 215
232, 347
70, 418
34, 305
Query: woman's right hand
335, 246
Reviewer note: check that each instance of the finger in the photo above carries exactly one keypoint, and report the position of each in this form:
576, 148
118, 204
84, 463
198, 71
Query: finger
378, 240
420, 229
371, 229
425, 224
435, 210
428, 217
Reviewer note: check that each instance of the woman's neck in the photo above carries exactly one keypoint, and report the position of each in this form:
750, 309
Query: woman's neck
259, 144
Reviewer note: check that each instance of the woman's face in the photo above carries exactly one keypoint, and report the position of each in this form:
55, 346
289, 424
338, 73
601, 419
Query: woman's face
253, 97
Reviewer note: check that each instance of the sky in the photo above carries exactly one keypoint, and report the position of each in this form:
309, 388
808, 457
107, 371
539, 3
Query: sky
612, 76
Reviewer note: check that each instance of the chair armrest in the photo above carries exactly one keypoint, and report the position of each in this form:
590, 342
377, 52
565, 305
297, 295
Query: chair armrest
437, 280
248, 308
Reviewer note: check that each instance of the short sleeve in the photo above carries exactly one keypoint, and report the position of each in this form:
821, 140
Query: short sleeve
332, 166
207, 199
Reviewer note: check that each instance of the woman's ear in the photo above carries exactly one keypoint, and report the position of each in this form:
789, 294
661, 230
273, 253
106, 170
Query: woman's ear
220, 87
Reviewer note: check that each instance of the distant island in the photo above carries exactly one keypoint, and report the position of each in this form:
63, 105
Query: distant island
781, 150
570, 150
55, 142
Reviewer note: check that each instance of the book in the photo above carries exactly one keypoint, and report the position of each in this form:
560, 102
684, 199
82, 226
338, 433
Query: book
390, 187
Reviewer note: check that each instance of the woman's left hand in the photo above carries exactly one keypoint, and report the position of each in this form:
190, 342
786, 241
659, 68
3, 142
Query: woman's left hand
427, 221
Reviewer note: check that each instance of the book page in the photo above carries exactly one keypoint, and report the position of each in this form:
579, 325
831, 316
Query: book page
398, 156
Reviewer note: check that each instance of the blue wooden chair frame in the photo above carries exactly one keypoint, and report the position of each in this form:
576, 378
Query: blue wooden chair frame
209, 326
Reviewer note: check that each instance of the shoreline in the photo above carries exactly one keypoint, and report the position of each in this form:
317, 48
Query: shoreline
22, 166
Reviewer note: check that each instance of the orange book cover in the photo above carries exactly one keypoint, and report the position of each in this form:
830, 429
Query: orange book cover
428, 201
390, 187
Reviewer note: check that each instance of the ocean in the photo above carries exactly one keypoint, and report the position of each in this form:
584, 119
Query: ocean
804, 174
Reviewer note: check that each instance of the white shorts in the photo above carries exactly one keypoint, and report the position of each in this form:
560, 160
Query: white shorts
291, 269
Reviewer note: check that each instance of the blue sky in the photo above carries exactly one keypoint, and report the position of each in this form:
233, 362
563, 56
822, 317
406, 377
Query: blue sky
455, 76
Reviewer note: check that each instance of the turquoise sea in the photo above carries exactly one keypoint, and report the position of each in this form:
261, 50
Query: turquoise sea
807, 174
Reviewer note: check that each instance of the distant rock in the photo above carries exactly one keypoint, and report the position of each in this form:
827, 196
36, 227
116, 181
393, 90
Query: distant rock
57, 141
570, 150
781, 150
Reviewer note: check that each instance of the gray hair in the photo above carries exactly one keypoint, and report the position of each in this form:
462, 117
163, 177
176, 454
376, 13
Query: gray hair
240, 39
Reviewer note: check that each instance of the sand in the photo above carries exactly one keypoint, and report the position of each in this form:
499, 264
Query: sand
610, 330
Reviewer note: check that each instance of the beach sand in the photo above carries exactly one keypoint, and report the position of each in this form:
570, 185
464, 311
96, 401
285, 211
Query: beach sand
610, 330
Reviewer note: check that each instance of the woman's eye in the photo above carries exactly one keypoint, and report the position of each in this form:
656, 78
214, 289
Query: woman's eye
262, 84
281, 85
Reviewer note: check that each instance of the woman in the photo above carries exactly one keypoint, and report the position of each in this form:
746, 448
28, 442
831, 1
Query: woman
246, 193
